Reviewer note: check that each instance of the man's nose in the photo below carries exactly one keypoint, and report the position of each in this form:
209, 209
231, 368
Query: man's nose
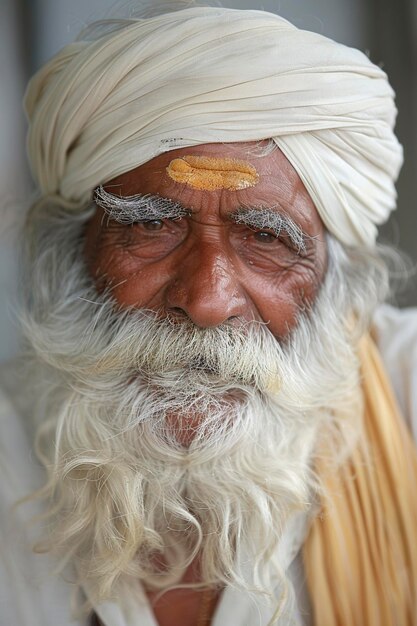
206, 288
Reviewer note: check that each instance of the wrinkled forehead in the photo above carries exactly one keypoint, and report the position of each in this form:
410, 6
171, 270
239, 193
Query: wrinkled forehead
225, 176
252, 160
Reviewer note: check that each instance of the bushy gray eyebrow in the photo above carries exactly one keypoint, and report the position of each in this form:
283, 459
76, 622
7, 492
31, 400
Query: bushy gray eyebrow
147, 207
266, 218
139, 207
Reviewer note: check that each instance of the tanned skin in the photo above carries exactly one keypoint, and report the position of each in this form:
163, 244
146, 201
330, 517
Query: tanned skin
205, 266
208, 269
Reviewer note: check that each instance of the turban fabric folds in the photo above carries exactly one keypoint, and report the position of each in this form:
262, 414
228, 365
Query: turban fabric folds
211, 75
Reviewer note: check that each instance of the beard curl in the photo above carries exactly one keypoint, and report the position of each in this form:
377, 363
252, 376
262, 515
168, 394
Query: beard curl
127, 500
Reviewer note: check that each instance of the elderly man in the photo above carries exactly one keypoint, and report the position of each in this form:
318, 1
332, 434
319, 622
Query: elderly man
216, 439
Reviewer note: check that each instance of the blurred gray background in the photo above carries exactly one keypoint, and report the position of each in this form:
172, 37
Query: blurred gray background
33, 30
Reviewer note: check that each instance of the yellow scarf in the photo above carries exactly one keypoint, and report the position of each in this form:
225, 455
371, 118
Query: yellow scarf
361, 553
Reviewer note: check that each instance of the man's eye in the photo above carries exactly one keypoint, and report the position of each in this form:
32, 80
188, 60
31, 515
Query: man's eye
153, 224
265, 236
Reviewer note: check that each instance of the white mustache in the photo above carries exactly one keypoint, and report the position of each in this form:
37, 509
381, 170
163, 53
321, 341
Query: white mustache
125, 344
141, 343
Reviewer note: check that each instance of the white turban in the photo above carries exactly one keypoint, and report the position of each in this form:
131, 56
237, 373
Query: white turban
207, 75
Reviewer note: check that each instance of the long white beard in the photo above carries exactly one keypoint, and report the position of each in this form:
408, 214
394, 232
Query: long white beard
125, 492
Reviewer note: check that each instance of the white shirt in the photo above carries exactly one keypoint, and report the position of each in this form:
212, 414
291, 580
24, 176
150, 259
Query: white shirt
32, 595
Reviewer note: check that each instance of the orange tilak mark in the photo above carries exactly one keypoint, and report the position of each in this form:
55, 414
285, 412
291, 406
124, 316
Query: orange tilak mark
209, 173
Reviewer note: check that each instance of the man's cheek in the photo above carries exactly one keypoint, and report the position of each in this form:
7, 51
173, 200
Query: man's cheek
281, 300
131, 282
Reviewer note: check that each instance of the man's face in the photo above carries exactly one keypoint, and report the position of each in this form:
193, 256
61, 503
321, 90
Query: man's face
221, 261
202, 433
